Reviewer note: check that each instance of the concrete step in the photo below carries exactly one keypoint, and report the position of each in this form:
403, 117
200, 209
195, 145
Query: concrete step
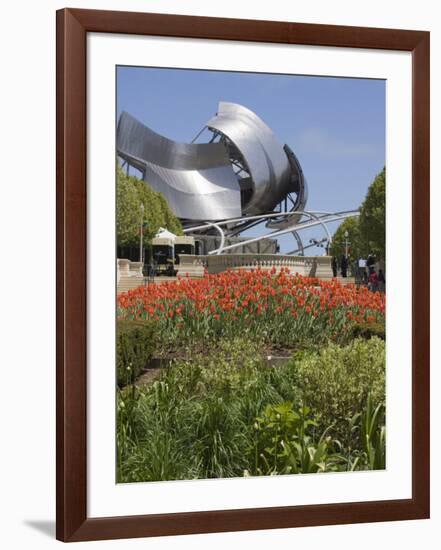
126, 284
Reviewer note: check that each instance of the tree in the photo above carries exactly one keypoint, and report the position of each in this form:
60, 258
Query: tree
372, 222
130, 193
367, 232
337, 247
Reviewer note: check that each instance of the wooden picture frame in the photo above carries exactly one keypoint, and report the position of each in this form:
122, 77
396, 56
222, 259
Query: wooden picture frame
71, 506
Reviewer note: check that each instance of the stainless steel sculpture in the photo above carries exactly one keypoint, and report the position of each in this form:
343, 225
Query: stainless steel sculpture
256, 151
241, 178
243, 170
196, 179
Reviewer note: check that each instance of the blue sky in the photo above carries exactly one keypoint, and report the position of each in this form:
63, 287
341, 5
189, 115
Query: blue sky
336, 126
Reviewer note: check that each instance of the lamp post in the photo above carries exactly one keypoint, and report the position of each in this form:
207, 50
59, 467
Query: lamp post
346, 243
141, 231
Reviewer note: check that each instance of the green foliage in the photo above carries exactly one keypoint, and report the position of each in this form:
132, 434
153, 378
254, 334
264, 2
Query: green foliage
131, 192
135, 343
366, 233
372, 221
147, 448
204, 408
355, 249
227, 413
370, 425
374, 434
283, 443
369, 330
336, 381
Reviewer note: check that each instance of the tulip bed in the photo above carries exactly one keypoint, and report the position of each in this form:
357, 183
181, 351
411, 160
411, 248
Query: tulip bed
220, 408
279, 309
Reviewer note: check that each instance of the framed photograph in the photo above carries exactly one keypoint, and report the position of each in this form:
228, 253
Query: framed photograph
242, 275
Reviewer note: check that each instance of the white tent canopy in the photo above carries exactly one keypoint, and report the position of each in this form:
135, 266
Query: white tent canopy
165, 234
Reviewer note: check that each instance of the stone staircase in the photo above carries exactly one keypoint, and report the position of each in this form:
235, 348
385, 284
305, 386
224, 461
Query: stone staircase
346, 280
127, 284
129, 274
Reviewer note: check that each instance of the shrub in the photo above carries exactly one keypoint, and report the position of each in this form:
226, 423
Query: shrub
373, 433
369, 330
204, 409
283, 443
336, 381
369, 423
135, 343
226, 413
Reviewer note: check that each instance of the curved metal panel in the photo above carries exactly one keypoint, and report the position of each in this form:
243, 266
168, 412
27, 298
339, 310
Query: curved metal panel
266, 160
299, 185
196, 179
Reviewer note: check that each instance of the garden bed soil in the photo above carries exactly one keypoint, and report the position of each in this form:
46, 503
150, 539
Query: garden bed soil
185, 354
152, 370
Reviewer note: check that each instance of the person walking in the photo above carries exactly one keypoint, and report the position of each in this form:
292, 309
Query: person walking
370, 262
373, 281
381, 281
334, 266
344, 266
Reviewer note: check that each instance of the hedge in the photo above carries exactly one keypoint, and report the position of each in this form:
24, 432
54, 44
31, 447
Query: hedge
336, 381
135, 344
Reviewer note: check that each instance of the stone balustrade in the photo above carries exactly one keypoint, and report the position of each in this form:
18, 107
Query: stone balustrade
136, 269
128, 274
122, 269
309, 266
127, 268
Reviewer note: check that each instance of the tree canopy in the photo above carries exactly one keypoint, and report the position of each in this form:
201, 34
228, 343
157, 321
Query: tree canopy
372, 220
366, 233
131, 192
338, 240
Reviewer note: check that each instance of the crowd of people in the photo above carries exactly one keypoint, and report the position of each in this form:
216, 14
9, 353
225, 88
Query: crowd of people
363, 271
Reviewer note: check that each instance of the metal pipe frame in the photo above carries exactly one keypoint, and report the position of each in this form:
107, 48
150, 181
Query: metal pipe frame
303, 248
220, 231
300, 244
296, 227
315, 218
